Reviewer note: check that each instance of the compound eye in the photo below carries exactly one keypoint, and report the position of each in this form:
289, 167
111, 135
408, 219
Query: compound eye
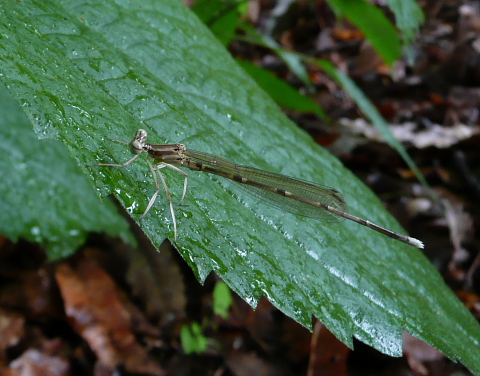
136, 147
141, 135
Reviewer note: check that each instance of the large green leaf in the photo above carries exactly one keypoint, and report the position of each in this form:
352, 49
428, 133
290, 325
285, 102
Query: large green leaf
86, 72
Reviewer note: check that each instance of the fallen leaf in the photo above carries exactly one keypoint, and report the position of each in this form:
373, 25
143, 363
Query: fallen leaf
434, 135
96, 312
35, 363
12, 329
328, 355
416, 351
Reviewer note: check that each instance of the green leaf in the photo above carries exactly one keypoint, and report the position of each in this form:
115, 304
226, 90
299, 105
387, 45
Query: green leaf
291, 59
222, 299
377, 28
408, 17
44, 196
192, 339
282, 93
220, 16
85, 73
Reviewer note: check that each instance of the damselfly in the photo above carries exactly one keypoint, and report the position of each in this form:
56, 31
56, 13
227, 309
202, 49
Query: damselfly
293, 195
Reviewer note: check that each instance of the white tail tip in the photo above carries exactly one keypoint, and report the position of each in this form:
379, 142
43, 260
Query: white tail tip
416, 243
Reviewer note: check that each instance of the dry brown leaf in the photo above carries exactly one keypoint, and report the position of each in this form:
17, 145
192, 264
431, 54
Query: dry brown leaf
416, 351
156, 279
435, 135
12, 330
328, 356
35, 363
471, 301
96, 312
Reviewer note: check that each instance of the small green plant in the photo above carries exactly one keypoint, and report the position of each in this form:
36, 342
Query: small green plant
192, 339
222, 299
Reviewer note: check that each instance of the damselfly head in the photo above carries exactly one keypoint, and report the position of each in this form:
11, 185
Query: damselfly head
138, 143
